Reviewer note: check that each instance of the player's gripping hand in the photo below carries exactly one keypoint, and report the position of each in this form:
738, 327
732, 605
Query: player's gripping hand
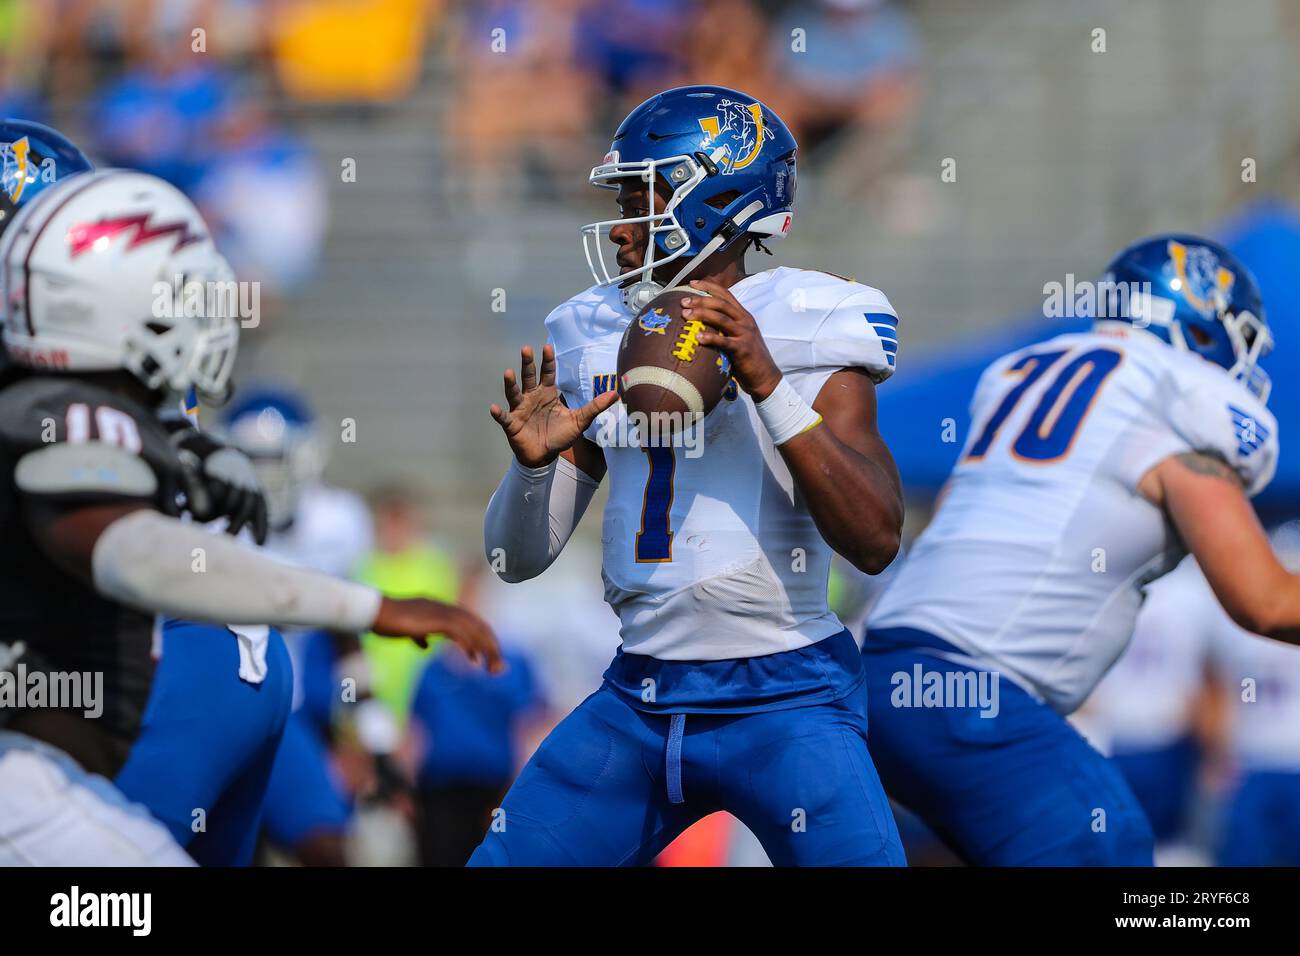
732, 330
417, 618
219, 481
537, 423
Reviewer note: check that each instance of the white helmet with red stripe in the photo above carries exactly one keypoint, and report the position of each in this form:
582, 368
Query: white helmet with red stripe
100, 273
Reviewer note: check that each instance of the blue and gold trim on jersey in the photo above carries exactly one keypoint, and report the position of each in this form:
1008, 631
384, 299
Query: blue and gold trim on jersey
886, 329
1250, 434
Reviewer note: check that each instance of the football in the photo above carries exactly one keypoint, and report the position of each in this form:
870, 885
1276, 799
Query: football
664, 374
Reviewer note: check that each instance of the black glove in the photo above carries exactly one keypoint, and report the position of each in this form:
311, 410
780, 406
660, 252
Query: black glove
219, 481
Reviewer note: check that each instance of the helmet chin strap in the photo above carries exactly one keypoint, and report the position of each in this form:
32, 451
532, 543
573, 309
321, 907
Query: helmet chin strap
639, 294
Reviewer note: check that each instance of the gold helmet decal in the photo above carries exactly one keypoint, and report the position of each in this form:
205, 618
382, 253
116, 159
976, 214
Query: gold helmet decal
739, 131
16, 168
1204, 283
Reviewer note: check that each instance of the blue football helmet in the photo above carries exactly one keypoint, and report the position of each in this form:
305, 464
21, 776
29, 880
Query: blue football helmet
730, 163
1200, 298
35, 157
277, 430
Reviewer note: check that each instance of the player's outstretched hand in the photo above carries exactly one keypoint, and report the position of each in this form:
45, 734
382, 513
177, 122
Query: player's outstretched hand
417, 618
536, 421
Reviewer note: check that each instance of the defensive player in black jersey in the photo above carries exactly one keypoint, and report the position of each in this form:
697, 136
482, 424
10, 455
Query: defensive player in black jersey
116, 300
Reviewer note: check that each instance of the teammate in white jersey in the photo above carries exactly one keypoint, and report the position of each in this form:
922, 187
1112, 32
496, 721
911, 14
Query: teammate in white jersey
1262, 680
1153, 712
1095, 461
736, 687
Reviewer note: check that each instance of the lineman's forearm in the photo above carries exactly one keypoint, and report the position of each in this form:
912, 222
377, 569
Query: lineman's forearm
156, 563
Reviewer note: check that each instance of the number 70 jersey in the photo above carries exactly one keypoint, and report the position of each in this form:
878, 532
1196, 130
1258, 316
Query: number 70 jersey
1036, 559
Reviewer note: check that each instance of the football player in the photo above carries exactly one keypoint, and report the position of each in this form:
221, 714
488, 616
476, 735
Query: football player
1262, 683
1155, 711
736, 687
314, 525
226, 759
1096, 460
90, 485
32, 158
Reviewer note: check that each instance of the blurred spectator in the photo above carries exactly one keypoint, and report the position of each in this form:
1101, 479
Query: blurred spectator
569, 648
718, 48
182, 114
521, 106
404, 564
469, 724
634, 48
264, 195
843, 62
164, 113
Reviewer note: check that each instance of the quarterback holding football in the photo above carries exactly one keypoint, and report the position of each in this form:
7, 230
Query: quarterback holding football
736, 688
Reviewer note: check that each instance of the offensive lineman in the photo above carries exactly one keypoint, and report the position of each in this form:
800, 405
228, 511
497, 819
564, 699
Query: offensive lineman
89, 486
736, 687
1096, 461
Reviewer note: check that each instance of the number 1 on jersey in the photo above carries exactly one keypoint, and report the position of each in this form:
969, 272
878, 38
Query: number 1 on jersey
654, 542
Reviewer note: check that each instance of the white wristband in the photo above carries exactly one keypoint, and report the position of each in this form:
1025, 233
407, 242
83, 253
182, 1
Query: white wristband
784, 414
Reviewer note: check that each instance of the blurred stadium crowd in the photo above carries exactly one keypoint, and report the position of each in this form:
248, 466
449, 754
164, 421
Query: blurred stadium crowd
202, 93
252, 106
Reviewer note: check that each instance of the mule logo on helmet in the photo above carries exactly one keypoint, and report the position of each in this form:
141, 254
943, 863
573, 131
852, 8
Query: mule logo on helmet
1204, 283
739, 131
15, 167
96, 235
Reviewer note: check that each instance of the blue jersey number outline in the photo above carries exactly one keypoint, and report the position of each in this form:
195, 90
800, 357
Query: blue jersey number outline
654, 542
1050, 432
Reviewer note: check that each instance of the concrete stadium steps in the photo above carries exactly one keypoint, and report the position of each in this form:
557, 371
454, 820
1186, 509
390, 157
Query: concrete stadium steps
1065, 154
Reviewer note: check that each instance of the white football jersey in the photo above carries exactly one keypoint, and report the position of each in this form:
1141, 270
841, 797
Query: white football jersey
331, 532
713, 556
1038, 555
1262, 678
1145, 701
